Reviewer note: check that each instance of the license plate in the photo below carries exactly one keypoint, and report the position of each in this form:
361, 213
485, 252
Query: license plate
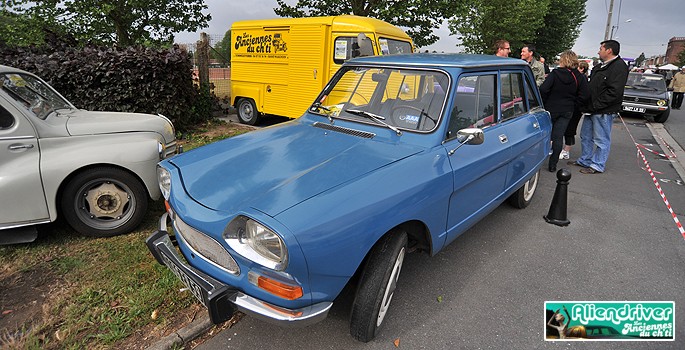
634, 109
192, 286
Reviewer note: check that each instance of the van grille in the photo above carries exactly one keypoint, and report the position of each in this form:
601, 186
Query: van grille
340, 129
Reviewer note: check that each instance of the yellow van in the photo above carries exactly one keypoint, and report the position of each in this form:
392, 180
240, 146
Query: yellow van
278, 66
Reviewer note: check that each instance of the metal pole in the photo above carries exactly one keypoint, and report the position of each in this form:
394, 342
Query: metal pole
611, 12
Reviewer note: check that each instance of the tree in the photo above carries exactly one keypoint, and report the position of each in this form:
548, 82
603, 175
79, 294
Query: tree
486, 21
19, 28
222, 49
551, 25
417, 17
639, 60
561, 27
124, 22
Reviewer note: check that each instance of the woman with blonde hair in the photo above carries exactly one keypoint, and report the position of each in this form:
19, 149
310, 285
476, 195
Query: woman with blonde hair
563, 89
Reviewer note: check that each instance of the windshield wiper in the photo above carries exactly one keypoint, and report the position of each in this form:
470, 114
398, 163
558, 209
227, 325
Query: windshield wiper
645, 86
377, 118
318, 105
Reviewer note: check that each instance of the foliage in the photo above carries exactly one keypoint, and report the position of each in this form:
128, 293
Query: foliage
124, 22
417, 17
24, 29
141, 80
222, 49
561, 27
551, 25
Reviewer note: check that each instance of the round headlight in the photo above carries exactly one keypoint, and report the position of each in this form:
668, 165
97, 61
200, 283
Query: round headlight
661, 103
256, 242
164, 181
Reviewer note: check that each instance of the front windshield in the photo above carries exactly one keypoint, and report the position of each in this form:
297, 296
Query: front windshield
403, 98
33, 94
651, 82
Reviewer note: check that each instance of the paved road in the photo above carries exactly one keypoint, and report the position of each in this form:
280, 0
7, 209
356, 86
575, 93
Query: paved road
622, 244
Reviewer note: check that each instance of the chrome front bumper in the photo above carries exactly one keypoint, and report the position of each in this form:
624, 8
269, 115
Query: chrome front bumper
220, 299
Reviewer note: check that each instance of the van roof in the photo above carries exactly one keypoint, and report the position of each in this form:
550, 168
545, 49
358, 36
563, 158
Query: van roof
344, 23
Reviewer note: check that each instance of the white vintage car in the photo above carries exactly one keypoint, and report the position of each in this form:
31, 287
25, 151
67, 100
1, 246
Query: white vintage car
96, 169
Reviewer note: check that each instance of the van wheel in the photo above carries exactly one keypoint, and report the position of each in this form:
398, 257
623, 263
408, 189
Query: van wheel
524, 195
104, 202
377, 285
660, 118
247, 111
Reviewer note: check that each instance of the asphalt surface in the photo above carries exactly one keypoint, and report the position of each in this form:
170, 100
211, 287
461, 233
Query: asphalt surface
487, 289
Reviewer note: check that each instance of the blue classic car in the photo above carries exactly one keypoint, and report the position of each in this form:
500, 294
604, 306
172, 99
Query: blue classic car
397, 154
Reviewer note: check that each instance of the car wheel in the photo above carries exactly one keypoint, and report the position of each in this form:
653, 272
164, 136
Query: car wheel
524, 195
104, 202
377, 285
247, 111
660, 118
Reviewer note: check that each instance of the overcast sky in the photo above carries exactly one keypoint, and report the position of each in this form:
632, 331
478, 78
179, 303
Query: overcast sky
650, 24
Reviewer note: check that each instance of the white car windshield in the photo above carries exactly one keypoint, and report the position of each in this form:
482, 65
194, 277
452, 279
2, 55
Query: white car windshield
405, 99
38, 97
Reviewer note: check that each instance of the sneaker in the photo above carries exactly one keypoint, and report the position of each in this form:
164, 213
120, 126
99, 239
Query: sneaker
564, 154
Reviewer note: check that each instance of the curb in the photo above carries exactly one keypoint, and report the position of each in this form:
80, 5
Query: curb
659, 130
185, 334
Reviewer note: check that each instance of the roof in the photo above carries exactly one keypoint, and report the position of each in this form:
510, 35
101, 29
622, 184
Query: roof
8, 69
444, 60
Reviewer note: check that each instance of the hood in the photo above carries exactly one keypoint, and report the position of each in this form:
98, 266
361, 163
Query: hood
82, 122
276, 168
644, 92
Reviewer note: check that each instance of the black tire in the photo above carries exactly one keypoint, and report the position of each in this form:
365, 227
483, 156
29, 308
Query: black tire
247, 111
524, 195
660, 118
377, 285
93, 202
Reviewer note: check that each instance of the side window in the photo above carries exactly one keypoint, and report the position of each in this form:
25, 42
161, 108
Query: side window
532, 99
6, 119
512, 104
474, 103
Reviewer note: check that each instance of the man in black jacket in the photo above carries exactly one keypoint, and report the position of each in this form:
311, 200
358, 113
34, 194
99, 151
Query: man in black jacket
606, 96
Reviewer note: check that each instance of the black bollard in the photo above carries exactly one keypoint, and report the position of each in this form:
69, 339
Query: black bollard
557, 210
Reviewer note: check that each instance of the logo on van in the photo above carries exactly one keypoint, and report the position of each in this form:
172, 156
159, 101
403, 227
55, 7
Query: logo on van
261, 44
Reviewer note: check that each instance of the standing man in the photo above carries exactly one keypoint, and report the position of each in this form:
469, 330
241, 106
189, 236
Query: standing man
502, 48
527, 54
678, 87
606, 95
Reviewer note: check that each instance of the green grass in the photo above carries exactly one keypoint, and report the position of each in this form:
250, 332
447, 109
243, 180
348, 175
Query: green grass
107, 288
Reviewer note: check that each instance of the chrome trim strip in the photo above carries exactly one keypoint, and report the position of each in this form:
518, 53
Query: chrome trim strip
27, 223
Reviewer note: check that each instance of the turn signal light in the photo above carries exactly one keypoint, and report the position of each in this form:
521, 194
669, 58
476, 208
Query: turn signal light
167, 207
278, 288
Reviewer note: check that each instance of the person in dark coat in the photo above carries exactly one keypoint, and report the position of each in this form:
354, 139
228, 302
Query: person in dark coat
570, 134
607, 83
562, 90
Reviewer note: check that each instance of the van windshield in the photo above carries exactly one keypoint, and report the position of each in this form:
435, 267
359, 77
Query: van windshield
403, 98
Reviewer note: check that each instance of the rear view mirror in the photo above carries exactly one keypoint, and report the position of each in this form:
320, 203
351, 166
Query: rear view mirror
364, 45
472, 136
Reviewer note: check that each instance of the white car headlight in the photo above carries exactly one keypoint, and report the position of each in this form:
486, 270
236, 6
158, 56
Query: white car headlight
256, 242
164, 181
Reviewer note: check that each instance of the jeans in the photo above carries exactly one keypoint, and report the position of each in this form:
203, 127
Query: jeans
560, 122
595, 139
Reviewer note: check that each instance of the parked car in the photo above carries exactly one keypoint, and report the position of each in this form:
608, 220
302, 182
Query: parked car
96, 169
398, 153
646, 94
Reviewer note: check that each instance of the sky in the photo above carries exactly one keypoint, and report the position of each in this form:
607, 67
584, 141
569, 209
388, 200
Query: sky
642, 26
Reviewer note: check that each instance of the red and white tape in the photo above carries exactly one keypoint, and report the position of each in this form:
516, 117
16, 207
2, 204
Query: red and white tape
656, 182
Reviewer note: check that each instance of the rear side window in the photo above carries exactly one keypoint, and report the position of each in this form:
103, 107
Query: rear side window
513, 95
6, 119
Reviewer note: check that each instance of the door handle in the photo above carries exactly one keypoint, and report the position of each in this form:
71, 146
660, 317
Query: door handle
20, 147
503, 138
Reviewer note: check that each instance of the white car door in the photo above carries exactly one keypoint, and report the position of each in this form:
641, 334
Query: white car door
21, 189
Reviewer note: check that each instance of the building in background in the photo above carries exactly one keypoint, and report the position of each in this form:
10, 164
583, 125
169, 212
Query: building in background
675, 46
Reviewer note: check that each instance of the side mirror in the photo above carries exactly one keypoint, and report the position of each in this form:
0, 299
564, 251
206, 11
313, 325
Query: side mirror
471, 136
364, 44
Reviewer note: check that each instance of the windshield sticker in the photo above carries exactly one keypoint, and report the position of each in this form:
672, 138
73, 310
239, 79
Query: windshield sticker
411, 119
340, 49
